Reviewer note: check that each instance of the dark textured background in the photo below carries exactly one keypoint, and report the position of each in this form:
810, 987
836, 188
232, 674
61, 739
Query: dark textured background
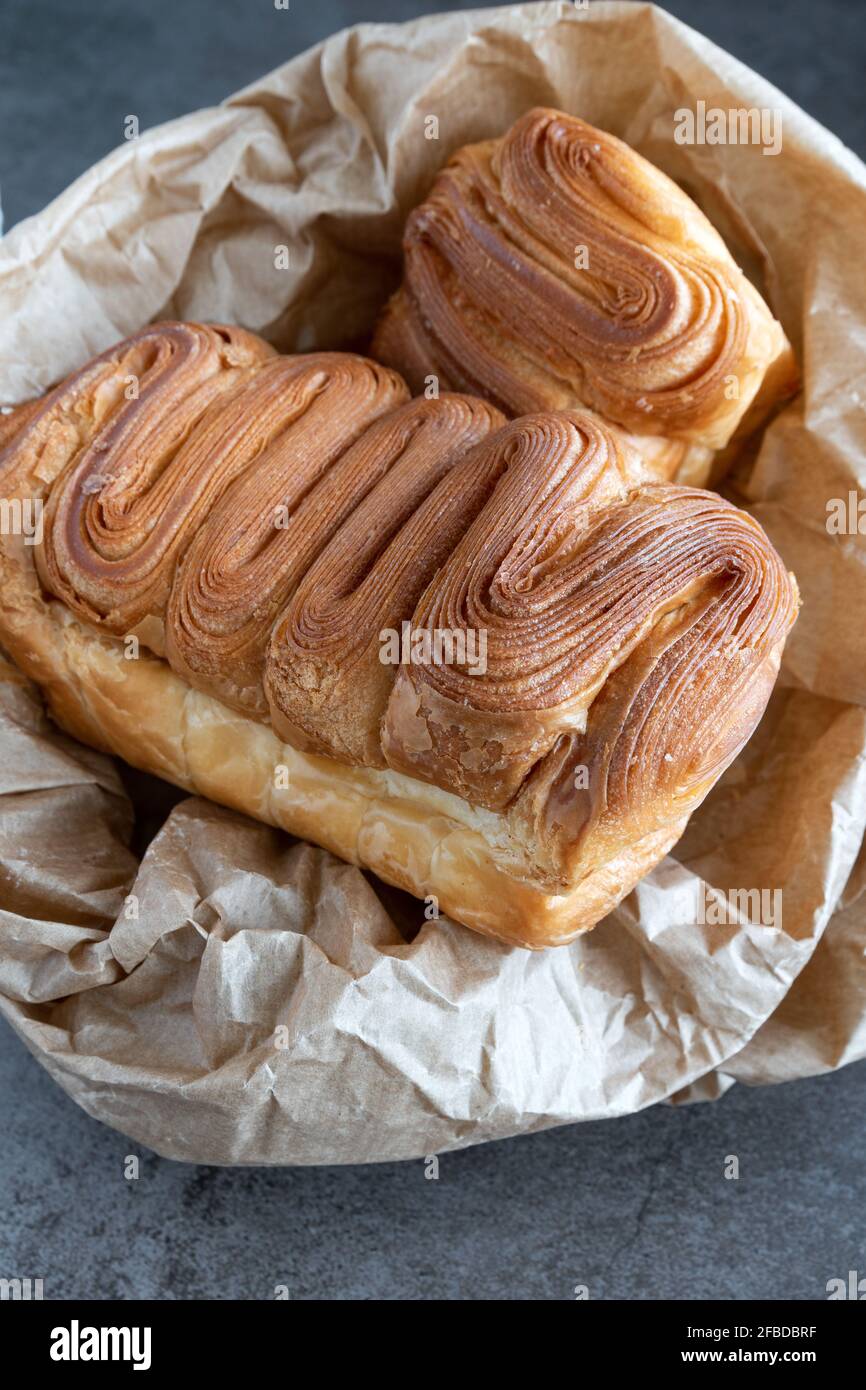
635, 1208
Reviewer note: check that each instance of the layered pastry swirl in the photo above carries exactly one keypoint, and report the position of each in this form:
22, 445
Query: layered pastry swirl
493, 661
556, 268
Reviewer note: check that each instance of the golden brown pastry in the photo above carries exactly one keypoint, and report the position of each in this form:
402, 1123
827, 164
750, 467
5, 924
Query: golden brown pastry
494, 663
14, 418
555, 268
268, 527
205, 404
326, 684
633, 635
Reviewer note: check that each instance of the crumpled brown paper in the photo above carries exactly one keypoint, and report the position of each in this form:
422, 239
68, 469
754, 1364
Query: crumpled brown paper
236, 997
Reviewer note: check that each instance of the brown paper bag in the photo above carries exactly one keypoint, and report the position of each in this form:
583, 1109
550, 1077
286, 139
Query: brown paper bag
236, 997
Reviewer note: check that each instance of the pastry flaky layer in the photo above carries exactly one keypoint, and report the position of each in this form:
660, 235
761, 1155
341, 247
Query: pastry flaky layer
556, 268
494, 662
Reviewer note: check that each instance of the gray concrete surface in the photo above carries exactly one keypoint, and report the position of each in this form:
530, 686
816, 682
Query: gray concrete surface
636, 1208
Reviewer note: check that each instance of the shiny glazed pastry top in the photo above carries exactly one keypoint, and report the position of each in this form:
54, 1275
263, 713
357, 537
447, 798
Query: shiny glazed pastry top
556, 268
262, 521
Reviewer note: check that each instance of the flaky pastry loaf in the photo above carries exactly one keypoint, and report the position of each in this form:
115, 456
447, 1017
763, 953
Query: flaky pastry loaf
494, 662
556, 268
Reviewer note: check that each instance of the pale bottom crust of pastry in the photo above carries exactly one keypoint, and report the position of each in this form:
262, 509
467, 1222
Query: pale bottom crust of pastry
417, 837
